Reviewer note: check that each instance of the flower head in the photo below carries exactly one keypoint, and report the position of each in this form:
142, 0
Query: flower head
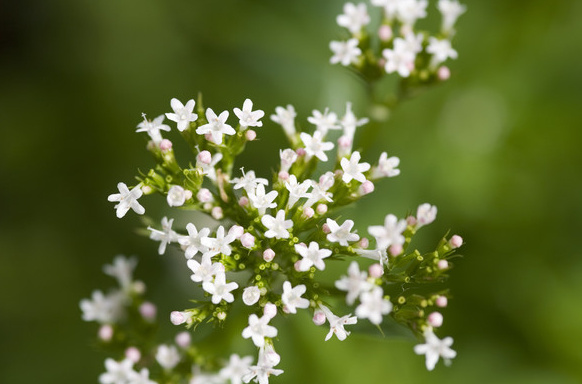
153, 128
248, 117
345, 52
258, 329
277, 226
127, 199
183, 114
434, 348
291, 297
216, 126
341, 234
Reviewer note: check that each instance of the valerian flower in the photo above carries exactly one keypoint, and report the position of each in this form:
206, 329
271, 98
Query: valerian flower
127, 199
183, 114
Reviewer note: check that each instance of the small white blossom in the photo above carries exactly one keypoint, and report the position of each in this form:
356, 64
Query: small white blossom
413, 42
277, 226
341, 234
390, 7
165, 236
219, 244
387, 167
315, 146
204, 270
350, 122
312, 256
122, 270
354, 18
451, 10
291, 297
373, 306
297, 190
167, 356
354, 283
324, 121
399, 59
251, 295
248, 117
261, 200
209, 169
248, 181
127, 199
236, 368
193, 242
425, 214
216, 126
390, 233
353, 169
285, 117
183, 114
177, 196
258, 329
319, 191
141, 377
336, 324
411, 10
117, 372
104, 309
268, 359
220, 289
288, 157
153, 128
434, 348
345, 52
441, 50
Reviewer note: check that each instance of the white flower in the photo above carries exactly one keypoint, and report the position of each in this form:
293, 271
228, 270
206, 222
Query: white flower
193, 242
141, 377
291, 297
349, 122
153, 128
220, 289
373, 306
354, 18
122, 270
319, 191
200, 377
205, 270
390, 7
165, 236
441, 50
219, 244
354, 283
378, 254
297, 190
451, 10
216, 126
182, 114
248, 117
285, 117
248, 181
387, 167
341, 234
268, 359
353, 169
209, 169
277, 226
288, 157
251, 295
127, 199
413, 42
117, 373
312, 256
315, 146
336, 324
258, 329
435, 348
104, 309
411, 10
399, 59
425, 214
177, 196
261, 200
390, 233
236, 368
345, 52
167, 356
323, 121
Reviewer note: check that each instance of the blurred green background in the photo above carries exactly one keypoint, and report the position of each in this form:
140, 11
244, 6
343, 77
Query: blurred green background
497, 149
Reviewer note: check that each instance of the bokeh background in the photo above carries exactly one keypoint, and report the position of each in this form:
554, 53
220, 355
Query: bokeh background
496, 148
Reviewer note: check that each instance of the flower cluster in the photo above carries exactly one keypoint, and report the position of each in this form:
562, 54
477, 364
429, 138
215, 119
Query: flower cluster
396, 45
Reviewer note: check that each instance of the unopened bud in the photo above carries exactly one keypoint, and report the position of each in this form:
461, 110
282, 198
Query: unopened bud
364, 243
297, 266
237, 231
443, 73
204, 195
183, 339
443, 264
243, 201
250, 135
177, 317
325, 228
165, 145
268, 255
318, 317
204, 157
217, 213
251, 295
321, 209
456, 241
435, 319
411, 220
308, 212
344, 142
270, 310
395, 249
366, 187
385, 32
441, 301
247, 240
133, 354
284, 175
105, 332
376, 271
301, 152
148, 311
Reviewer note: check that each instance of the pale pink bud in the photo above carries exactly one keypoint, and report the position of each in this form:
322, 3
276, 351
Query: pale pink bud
204, 157
183, 339
139, 287
395, 249
443, 264
325, 228
243, 201
251, 135
268, 255
133, 354
270, 310
385, 32
308, 212
237, 231
435, 319
217, 213
321, 209
204, 195
376, 271
444, 73
165, 145
105, 332
177, 317
301, 152
456, 241
297, 266
364, 243
285, 309
148, 311
187, 194
146, 189
247, 240
283, 175
366, 187
411, 220
318, 317
441, 301
208, 137
382, 62
344, 142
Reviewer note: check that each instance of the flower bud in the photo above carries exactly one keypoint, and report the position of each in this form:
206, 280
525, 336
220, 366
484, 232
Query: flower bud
301, 152
250, 135
243, 201
318, 317
204, 157
395, 249
283, 175
366, 187
148, 311
204, 195
177, 196
146, 189
325, 228
297, 266
411, 220
247, 240
165, 145
133, 354
456, 241
183, 339
105, 332
138, 287
270, 310
217, 213
237, 231
268, 255
376, 271
321, 209
177, 317
385, 32
443, 73
363, 243
435, 319
308, 212
443, 264
251, 295
441, 301
344, 142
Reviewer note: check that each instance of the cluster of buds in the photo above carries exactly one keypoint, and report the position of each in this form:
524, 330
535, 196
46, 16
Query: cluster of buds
268, 241
396, 46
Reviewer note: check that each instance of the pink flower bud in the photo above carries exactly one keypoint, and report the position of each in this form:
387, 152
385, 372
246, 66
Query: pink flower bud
301, 152
318, 317
441, 301
139, 287
395, 249
148, 311
204, 157
268, 255
435, 319
376, 271
385, 32
250, 135
443, 264
364, 243
183, 339
105, 332
247, 240
270, 310
344, 142
208, 137
204, 195
366, 187
325, 228
283, 175
237, 231
321, 209
456, 241
187, 194
382, 62
133, 354
308, 212
165, 145
217, 213
411, 220
444, 73
243, 201
297, 266
177, 317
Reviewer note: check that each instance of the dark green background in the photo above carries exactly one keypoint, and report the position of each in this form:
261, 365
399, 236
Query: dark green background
497, 149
